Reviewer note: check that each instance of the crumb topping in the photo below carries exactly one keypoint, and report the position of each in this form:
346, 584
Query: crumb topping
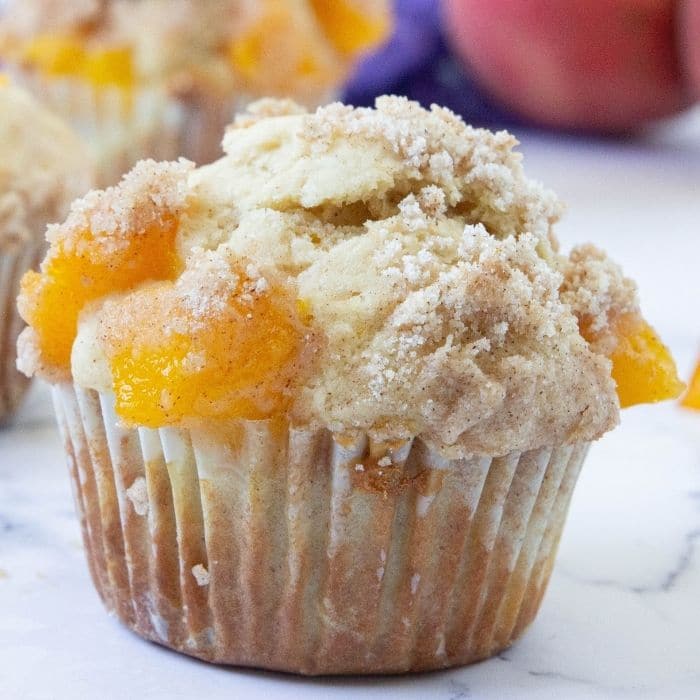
265, 108
147, 195
424, 267
137, 493
598, 293
201, 575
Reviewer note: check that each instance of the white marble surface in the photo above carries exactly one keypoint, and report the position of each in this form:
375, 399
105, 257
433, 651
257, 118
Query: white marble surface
622, 615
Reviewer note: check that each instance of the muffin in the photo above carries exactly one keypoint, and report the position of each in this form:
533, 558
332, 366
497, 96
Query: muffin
161, 78
325, 400
42, 169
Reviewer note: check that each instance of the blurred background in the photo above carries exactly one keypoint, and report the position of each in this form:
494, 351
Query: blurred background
601, 66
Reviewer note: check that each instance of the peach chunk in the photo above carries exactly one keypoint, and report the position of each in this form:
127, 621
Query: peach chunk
692, 398
350, 29
642, 365
268, 52
87, 268
110, 67
176, 354
55, 55
62, 56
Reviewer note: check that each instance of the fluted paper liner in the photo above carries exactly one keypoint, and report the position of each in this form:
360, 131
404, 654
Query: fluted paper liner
13, 264
305, 551
124, 127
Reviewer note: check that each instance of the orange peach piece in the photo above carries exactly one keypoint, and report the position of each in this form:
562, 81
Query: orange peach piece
51, 300
110, 67
168, 364
642, 365
55, 55
607, 65
67, 56
349, 28
692, 397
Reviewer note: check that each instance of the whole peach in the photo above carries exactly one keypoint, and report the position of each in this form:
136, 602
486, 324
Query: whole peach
608, 65
689, 32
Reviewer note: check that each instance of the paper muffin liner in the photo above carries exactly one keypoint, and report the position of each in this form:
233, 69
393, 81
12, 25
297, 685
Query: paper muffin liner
124, 127
14, 262
306, 551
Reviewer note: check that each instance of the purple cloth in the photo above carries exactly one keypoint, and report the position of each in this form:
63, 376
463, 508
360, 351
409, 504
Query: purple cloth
417, 62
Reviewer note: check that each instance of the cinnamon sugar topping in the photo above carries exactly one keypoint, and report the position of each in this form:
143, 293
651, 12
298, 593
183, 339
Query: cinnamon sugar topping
416, 249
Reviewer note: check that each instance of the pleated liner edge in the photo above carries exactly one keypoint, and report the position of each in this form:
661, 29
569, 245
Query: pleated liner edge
308, 552
13, 264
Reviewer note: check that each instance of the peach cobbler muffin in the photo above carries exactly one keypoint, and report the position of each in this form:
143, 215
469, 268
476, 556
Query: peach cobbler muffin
161, 78
325, 400
43, 167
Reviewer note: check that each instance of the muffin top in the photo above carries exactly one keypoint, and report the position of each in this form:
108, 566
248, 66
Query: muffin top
389, 270
44, 166
298, 47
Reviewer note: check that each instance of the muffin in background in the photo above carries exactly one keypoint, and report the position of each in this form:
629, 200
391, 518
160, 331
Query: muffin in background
161, 78
43, 167
326, 399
